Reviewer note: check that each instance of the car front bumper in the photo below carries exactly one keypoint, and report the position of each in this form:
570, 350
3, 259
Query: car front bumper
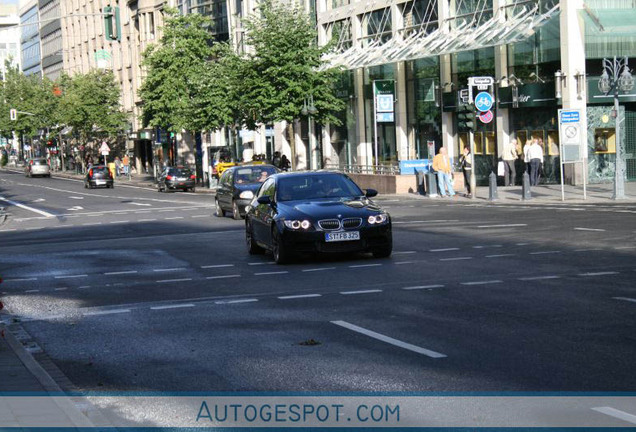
371, 238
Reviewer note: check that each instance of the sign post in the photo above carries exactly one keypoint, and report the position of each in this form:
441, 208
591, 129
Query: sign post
570, 144
484, 102
383, 109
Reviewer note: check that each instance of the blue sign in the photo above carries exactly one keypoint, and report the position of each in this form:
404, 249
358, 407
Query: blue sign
409, 166
484, 101
384, 117
385, 103
570, 116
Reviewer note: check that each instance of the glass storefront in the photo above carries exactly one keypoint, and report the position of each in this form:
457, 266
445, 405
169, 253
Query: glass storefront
386, 141
424, 112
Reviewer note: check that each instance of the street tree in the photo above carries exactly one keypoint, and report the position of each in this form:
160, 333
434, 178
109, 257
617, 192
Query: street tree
285, 69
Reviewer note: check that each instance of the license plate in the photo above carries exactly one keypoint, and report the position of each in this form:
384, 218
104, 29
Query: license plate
181, 179
100, 182
342, 236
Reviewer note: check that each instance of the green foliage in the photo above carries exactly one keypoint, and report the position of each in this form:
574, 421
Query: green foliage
3, 158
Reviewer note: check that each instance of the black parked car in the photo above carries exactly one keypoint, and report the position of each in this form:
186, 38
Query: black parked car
172, 178
237, 187
98, 175
315, 212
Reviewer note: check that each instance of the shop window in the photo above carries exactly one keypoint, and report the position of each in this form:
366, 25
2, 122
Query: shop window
522, 137
491, 143
479, 143
462, 142
604, 140
537, 134
553, 143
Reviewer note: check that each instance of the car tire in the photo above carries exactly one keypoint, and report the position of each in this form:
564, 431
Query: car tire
279, 250
252, 247
219, 211
383, 252
236, 213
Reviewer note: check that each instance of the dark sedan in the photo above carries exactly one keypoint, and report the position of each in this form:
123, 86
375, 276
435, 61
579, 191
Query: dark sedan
98, 175
172, 178
306, 212
237, 187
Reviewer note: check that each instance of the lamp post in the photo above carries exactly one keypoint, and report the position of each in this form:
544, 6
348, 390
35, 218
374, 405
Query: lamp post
309, 110
617, 77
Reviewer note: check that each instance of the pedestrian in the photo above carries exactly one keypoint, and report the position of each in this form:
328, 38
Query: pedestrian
118, 166
509, 157
126, 164
276, 159
284, 163
535, 155
442, 166
465, 164
526, 159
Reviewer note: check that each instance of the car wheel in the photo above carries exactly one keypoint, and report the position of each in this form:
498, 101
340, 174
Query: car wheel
236, 214
219, 211
279, 250
252, 247
383, 252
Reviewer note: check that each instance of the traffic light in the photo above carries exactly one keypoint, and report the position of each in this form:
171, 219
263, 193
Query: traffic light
466, 117
112, 28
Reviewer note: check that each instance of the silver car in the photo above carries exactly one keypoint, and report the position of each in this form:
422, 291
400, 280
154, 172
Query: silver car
37, 167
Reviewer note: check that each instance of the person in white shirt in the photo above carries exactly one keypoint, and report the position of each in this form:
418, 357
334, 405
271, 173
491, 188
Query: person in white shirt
509, 157
535, 154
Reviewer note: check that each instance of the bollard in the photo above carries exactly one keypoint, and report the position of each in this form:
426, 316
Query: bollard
421, 180
525, 192
431, 183
492, 179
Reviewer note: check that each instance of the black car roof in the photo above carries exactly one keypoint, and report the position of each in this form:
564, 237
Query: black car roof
305, 173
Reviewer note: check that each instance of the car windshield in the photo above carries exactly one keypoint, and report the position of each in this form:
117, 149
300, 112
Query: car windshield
99, 169
180, 172
39, 161
316, 187
253, 175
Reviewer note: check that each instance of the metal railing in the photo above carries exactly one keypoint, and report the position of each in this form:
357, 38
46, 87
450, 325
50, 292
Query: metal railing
365, 169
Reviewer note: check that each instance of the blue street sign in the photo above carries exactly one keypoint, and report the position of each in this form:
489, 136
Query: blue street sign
384, 117
385, 103
484, 101
570, 116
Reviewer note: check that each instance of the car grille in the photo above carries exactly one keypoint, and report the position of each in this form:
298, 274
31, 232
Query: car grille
329, 224
351, 223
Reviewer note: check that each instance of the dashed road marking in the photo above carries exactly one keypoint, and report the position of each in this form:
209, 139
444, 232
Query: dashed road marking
482, 282
444, 250
456, 259
533, 278
589, 229
499, 255
364, 265
146, 220
502, 226
173, 218
32, 291
318, 269
404, 252
261, 263
106, 312
223, 276
217, 266
544, 252
598, 273
169, 269
175, 306
615, 298
71, 276
422, 287
21, 279
119, 222
403, 262
173, 280
360, 292
271, 273
120, 272
588, 250
61, 289
200, 216
236, 301
300, 296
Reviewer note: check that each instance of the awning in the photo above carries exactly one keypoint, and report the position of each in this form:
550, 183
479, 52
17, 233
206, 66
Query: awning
609, 22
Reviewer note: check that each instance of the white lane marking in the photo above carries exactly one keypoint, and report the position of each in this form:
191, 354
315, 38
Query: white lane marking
61, 289
271, 273
38, 200
598, 274
120, 272
236, 301
34, 210
389, 340
217, 266
456, 259
615, 298
403, 262
319, 269
71, 276
169, 269
499, 255
75, 208
444, 250
588, 250
487, 246
140, 204
84, 287
223, 277
502, 226
173, 218
613, 412
360, 292
521, 244
544, 252
32, 291
404, 253
7, 230
291, 297
91, 224
107, 312
482, 282
119, 222
364, 265
262, 263
538, 278
33, 228
199, 216
76, 197
624, 247
589, 229
173, 280
422, 287
146, 220
186, 305
21, 280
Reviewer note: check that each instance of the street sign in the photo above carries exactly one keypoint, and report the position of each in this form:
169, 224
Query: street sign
483, 81
13, 114
385, 103
104, 149
484, 101
464, 96
385, 117
486, 116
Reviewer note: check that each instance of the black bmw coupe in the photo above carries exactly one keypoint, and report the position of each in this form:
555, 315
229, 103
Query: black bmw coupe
307, 212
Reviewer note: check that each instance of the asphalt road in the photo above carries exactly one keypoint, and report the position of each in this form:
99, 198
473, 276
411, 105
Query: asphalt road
129, 289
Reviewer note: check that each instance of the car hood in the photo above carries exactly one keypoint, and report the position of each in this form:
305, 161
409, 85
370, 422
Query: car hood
330, 208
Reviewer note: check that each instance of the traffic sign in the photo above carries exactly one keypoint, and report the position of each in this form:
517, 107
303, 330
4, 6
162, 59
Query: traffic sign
104, 149
13, 114
385, 103
385, 117
486, 116
483, 81
484, 101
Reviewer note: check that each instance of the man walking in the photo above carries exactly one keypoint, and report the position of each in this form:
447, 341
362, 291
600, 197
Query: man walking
441, 164
509, 157
535, 154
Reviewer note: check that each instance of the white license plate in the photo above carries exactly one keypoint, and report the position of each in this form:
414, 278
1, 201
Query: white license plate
342, 236
181, 179
100, 182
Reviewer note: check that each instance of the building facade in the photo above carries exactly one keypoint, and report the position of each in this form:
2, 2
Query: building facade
9, 36
51, 38
30, 39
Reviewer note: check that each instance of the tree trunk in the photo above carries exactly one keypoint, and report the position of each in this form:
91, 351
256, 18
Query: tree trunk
292, 143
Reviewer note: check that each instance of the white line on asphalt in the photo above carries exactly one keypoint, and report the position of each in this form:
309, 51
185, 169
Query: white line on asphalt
613, 412
120, 272
487, 246
173, 280
389, 340
217, 266
32, 291
107, 312
172, 306
482, 282
199, 216
544, 252
262, 263
236, 301
169, 269
615, 298
61, 289
319, 269
588, 250
90, 224
360, 292
456, 259
364, 265
146, 220
71, 276
502, 226
84, 287
76, 197
444, 250
624, 247
522, 244
7, 230
532, 278
422, 287
173, 218
404, 252
499, 255
21, 280
403, 262
271, 273
119, 222
17, 204
589, 229
223, 276
598, 274
140, 204
291, 297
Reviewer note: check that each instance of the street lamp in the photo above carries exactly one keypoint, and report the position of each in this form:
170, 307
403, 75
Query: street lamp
309, 110
616, 76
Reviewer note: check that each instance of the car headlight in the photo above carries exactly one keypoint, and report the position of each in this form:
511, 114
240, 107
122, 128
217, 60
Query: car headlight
297, 224
246, 195
377, 219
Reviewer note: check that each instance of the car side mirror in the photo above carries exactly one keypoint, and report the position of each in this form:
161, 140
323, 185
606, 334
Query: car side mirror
264, 199
371, 193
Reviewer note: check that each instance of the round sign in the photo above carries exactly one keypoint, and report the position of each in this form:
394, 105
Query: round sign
483, 101
486, 117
